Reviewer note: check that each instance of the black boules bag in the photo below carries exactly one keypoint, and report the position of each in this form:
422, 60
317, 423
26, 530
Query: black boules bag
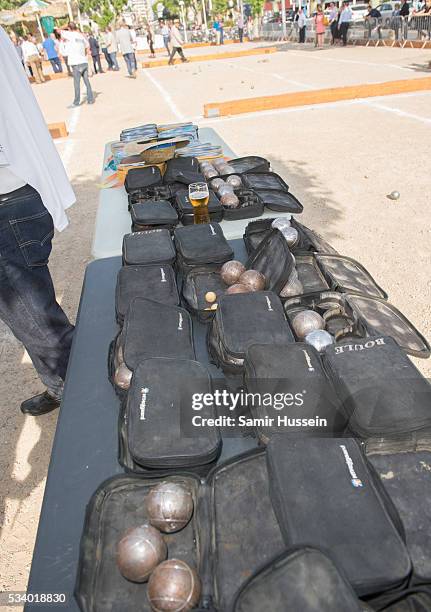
242, 320
201, 244
403, 464
155, 283
183, 170
158, 432
326, 495
140, 179
302, 579
152, 329
382, 391
197, 284
148, 248
153, 214
291, 392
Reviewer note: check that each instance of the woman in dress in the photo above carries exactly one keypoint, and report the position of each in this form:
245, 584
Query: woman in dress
319, 22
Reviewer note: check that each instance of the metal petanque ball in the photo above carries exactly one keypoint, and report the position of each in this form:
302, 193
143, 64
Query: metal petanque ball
394, 195
234, 180
230, 200
291, 236
139, 551
291, 288
253, 279
219, 162
238, 288
231, 271
210, 173
169, 506
320, 339
217, 183
174, 587
123, 376
280, 223
224, 190
307, 321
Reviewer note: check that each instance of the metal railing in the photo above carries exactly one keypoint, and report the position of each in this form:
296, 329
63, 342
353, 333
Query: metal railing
388, 29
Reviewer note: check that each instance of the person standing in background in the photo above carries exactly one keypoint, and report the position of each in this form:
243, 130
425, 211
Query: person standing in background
32, 59
62, 50
34, 194
150, 40
404, 14
104, 45
176, 42
125, 42
240, 24
221, 27
78, 47
95, 53
216, 28
302, 24
333, 21
112, 47
344, 22
319, 22
166, 35
50, 47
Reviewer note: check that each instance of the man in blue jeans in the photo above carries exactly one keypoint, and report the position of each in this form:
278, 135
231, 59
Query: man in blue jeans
34, 194
50, 48
126, 43
77, 52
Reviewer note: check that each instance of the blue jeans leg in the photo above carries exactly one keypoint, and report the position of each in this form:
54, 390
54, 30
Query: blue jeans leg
56, 64
27, 298
128, 58
114, 61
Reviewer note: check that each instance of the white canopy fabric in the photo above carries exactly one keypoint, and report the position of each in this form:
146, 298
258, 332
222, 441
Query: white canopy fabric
25, 142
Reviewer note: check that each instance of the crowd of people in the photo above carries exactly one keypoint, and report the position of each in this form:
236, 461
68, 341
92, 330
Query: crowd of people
338, 19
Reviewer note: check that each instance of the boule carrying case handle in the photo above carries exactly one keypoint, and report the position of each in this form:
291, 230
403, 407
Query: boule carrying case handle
157, 414
326, 494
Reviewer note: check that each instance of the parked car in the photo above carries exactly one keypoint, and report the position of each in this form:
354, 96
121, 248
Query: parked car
358, 12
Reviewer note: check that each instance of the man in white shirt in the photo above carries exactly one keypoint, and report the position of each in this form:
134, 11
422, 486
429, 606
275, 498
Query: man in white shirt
34, 194
32, 59
176, 42
126, 44
344, 21
77, 54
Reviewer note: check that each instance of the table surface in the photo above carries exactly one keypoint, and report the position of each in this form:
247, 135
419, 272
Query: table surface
113, 217
86, 441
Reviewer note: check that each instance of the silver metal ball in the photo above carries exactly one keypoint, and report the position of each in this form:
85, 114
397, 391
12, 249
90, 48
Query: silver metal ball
320, 339
307, 321
394, 195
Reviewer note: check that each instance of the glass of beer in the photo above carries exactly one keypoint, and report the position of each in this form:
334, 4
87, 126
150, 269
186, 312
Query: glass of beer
199, 196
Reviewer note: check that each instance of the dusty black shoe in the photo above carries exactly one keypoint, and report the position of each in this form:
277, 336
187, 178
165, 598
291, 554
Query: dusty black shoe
40, 404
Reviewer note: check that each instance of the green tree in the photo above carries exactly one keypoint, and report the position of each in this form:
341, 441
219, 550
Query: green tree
103, 12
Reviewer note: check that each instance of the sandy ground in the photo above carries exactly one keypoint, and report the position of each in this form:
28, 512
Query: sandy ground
341, 160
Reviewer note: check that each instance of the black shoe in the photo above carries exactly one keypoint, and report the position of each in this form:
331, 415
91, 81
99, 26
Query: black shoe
40, 404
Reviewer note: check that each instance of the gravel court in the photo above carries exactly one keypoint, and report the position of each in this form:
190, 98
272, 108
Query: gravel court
340, 159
